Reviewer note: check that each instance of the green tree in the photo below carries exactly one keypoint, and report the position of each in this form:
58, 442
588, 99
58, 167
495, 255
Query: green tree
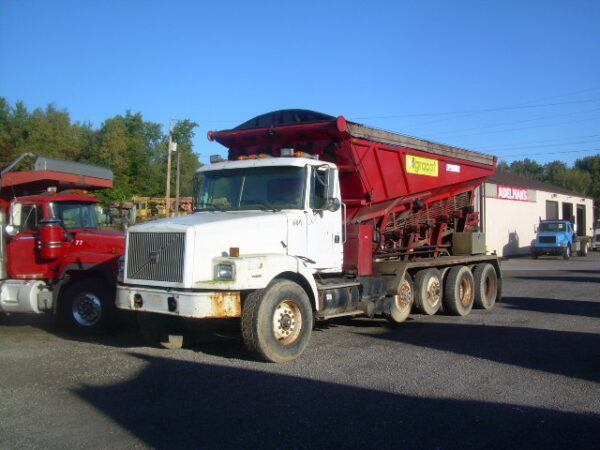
528, 168
134, 149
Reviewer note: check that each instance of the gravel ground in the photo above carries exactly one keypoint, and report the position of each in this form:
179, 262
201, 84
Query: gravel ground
525, 374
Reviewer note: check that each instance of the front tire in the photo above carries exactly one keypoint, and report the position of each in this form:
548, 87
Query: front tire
88, 306
567, 252
277, 321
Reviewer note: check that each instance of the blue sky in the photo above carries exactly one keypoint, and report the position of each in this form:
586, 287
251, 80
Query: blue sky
512, 78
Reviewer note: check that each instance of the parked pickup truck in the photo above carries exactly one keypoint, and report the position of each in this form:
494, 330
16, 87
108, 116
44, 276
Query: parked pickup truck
558, 237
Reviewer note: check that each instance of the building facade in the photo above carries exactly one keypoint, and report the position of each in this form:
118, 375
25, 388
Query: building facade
511, 207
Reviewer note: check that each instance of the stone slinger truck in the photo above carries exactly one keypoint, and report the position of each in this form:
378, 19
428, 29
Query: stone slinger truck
314, 217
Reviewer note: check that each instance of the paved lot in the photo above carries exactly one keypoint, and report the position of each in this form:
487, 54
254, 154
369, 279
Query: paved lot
523, 375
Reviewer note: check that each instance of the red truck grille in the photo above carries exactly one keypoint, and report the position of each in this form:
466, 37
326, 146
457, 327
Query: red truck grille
156, 256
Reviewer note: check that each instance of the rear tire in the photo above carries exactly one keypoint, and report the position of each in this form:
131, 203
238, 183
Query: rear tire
584, 250
402, 302
277, 321
88, 306
159, 330
459, 291
486, 286
428, 291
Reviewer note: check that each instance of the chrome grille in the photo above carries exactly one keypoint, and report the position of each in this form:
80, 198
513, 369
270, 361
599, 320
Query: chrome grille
156, 256
547, 239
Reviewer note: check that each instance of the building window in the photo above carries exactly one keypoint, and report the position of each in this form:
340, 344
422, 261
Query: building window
551, 210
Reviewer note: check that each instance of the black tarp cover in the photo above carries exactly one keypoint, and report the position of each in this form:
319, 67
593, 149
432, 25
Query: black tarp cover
284, 117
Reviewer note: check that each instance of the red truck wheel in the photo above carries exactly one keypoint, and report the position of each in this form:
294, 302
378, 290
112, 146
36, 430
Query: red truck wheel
88, 306
277, 321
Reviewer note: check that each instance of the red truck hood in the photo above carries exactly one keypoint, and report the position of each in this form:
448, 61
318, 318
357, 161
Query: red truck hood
101, 241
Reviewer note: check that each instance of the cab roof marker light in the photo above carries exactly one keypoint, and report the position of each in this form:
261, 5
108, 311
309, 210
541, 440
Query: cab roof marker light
242, 157
216, 159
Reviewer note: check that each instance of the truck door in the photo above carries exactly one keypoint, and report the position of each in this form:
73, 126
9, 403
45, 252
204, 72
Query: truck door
324, 226
23, 260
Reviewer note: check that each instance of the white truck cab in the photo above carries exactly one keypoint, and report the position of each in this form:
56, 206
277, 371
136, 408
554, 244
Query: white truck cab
254, 220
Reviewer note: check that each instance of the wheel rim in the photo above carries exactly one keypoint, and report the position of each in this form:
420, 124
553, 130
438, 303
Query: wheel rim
404, 298
433, 291
568, 251
287, 322
465, 292
87, 309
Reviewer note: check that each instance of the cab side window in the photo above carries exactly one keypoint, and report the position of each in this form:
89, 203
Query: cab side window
318, 192
29, 217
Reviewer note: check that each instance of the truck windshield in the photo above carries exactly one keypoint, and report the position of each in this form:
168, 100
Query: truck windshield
552, 227
266, 188
75, 215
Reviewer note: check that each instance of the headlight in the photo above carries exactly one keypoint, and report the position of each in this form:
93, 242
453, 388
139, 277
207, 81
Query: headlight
225, 271
121, 269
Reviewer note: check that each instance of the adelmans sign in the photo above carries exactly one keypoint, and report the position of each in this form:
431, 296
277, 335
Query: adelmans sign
512, 193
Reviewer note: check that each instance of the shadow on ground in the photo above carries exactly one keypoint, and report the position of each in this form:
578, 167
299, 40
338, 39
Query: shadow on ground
181, 404
560, 279
554, 306
572, 354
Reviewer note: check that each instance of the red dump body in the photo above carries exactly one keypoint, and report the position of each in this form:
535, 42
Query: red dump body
405, 197
54, 173
378, 169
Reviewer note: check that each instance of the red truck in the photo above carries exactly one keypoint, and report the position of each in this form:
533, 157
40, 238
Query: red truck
53, 257
313, 217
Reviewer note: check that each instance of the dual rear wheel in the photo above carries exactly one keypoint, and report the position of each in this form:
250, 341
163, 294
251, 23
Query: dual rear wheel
457, 293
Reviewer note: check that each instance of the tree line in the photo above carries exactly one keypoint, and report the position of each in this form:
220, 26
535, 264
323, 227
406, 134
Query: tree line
583, 177
133, 148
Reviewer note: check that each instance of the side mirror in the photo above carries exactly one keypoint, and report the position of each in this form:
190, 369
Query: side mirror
11, 230
15, 214
331, 178
333, 204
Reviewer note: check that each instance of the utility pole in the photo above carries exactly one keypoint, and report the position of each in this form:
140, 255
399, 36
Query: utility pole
177, 181
169, 150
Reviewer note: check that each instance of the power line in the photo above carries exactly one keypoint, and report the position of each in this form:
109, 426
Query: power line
512, 144
544, 145
469, 111
523, 128
518, 121
553, 153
